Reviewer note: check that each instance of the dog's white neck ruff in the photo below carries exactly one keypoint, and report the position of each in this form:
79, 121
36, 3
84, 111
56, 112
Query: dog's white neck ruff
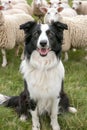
44, 76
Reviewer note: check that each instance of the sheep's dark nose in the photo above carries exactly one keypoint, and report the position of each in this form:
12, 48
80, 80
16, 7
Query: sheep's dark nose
73, 8
52, 21
43, 43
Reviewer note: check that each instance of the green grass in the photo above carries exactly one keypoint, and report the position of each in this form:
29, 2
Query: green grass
11, 83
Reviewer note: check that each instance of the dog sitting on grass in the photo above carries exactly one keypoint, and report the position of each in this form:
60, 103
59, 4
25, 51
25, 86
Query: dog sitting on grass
43, 74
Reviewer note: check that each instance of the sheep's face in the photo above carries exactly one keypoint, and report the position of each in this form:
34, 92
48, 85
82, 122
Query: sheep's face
52, 15
76, 5
38, 3
6, 5
58, 3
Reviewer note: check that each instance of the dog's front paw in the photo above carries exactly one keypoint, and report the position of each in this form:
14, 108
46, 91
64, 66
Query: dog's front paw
23, 118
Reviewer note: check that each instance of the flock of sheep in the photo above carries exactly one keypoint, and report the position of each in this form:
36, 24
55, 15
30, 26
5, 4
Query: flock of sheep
13, 13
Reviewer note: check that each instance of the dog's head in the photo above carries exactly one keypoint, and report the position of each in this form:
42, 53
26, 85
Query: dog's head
43, 37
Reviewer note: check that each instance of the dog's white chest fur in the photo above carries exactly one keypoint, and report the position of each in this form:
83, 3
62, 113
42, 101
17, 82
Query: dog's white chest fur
44, 76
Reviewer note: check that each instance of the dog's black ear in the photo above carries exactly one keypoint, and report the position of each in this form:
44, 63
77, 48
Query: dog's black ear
59, 25
28, 25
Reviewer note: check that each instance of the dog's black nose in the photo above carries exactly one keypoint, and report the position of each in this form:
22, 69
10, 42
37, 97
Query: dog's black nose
43, 43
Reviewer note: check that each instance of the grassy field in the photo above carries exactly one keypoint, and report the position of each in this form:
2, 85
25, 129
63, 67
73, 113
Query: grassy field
11, 83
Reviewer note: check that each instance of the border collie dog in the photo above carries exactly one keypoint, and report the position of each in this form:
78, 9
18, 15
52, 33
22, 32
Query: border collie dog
43, 74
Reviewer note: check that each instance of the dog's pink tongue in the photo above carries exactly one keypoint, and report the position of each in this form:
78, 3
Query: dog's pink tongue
43, 51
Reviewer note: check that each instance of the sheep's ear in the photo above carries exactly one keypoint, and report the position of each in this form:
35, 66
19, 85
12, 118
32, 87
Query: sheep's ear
44, 10
27, 26
80, 3
49, 3
60, 9
1, 7
9, 1
60, 2
59, 25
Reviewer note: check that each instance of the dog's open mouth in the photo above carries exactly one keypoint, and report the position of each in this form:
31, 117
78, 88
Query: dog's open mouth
43, 51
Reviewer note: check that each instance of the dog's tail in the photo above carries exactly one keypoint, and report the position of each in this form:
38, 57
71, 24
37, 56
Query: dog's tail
8, 101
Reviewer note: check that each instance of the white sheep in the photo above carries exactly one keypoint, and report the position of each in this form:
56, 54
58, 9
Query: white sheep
11, 11
10, 34
54, 3
68, 12
19, 1
76, 35
36, 4
13, 1
80, 7
51, 14
64, 4
58, 3
19, 6
24, 7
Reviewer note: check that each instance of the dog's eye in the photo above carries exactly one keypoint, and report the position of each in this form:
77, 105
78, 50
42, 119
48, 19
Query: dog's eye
50, 33
36, 33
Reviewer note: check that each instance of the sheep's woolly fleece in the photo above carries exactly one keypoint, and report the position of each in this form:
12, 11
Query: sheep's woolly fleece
76, 35
10, 34
80, 7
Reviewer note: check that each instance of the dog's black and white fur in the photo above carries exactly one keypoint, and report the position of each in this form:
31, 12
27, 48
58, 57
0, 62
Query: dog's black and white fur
43, 74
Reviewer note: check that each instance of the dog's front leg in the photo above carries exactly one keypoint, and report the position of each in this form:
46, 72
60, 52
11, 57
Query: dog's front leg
54, 113
35, 120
